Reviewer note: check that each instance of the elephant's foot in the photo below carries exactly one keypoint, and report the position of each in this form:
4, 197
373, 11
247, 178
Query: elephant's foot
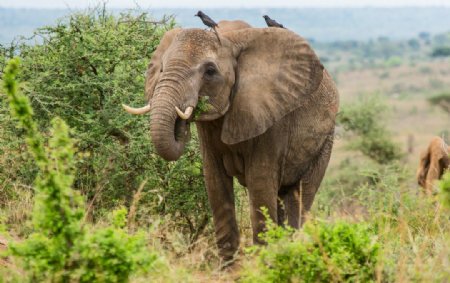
228, 252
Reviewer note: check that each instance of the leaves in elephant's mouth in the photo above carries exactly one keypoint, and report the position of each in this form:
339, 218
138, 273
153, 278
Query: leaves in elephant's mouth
202, 106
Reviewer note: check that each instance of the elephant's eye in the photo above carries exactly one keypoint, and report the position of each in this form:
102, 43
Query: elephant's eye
210, 71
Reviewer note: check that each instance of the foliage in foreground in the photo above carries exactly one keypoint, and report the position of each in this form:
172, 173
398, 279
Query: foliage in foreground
364, 119
412, 230
444, 189
81, 69
61, 247
321, 252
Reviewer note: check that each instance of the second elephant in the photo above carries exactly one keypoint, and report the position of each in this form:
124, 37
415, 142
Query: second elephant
433, 163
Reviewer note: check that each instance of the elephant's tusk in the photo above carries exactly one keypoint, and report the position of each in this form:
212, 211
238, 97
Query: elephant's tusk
137, 111
187, 113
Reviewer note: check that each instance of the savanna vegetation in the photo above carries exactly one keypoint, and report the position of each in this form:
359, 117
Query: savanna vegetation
84, 197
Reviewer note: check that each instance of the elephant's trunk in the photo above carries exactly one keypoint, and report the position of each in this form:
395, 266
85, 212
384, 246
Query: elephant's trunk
168, 131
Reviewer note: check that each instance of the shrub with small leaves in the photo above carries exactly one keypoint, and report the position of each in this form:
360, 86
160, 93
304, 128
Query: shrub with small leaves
111, 255
62, 248
322, 252
442, 51
364, 119
87, 64
84, 67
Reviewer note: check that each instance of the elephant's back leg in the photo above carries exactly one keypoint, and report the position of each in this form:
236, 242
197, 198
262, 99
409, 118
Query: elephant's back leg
310, 181
290, 195
281, 211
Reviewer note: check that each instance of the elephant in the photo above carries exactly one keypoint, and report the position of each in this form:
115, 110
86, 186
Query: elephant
433, 163
268, 122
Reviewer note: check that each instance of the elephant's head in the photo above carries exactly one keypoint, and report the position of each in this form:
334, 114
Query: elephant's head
433, 162
252, 78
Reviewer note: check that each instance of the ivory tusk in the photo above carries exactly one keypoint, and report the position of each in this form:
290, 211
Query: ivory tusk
137, 111
187, 113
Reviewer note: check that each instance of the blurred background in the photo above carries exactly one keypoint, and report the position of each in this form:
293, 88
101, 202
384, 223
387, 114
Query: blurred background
324, 21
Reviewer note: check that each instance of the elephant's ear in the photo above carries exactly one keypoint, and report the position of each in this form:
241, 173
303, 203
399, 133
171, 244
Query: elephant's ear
154, 67
277, 72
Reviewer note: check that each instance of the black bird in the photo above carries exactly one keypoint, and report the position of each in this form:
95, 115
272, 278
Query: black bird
208, 22
272, 23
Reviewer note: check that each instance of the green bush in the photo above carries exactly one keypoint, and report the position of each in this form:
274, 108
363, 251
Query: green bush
2, 58
179, 191
5, 53
322, 252
111, 255
442, 100
365, 120
444, 189
61, 248
81, 70
385, 197
87, 64
393, 61
414, 44
441, 52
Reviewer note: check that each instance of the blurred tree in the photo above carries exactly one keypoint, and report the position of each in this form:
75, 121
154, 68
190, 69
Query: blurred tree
443, 51
442, 100
424, 36
365, 120
414, 44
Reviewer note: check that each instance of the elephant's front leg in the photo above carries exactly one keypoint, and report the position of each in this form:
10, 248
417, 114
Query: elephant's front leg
221, 199
219, 186
263, 185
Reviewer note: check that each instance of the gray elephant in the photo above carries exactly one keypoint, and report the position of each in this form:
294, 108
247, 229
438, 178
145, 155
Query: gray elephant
269, 122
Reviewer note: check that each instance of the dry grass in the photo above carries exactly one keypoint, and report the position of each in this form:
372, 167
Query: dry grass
411, 114
405, 80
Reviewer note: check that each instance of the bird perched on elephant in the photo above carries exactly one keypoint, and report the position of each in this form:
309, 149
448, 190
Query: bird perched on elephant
433, 163
272, 23
207, 21
269, 122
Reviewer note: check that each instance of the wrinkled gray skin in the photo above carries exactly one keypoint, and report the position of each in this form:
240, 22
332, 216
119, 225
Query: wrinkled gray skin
270, 123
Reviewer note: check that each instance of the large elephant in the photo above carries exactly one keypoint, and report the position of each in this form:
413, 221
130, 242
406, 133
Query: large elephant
433, 162
269, 120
